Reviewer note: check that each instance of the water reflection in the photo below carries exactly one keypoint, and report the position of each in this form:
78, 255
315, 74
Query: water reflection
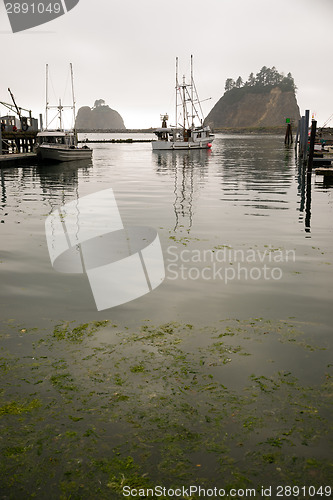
308, 204
60, 182
3, 188
189, 170
53, 182
306, 188
304, 192
256, 172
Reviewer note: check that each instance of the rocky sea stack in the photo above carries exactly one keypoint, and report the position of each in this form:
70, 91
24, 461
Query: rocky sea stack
100, 117
263, 101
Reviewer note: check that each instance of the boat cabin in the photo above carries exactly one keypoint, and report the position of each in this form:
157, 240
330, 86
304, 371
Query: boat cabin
186, 135
163, 133
56, 138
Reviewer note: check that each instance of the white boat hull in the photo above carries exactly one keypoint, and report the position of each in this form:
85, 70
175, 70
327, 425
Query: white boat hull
58, 154
177, 145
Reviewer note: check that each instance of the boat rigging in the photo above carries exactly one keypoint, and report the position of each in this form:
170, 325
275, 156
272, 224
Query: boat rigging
185, 134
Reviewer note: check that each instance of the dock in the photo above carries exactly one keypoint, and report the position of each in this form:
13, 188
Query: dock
322, 162
21, 142
16, 148
17, 159
325, 171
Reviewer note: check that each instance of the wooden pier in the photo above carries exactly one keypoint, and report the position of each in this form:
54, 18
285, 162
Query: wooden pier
17, 148
18, 142
17, 159
325, 171
321, 159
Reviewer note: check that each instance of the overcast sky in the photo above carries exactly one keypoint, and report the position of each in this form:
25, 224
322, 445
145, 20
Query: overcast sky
123, 51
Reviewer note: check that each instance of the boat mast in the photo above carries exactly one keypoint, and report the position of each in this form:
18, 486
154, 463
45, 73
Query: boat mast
176, 117
46, 95
73, 97
192, 109
184, 103
60, 108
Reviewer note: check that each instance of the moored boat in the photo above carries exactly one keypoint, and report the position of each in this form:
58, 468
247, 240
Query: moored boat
186, 135
60, 145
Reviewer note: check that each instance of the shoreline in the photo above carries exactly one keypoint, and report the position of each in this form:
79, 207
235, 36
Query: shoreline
281, 130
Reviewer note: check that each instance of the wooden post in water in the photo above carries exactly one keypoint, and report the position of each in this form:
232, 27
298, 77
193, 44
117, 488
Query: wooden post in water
0, 141
311, 148
288, 139
305, 134
301, 136
297, 135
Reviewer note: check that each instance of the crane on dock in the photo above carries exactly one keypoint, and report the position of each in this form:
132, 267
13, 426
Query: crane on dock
14, 108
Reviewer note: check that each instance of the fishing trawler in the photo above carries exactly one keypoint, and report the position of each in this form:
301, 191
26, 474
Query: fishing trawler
185, 134
60, 145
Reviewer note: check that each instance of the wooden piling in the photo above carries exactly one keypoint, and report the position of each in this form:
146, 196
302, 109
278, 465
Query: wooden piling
305, 133
301, 137
297, 135
311, 147
288, 139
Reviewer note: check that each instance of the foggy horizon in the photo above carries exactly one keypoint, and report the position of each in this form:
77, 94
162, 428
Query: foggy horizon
124, 53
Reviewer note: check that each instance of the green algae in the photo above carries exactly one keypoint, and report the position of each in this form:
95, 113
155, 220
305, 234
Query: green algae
17, 408
63, 382
77, 333
150, 407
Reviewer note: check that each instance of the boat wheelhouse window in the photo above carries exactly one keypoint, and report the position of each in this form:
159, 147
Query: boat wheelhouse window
70, 140
47, 140
162, 136
50, 140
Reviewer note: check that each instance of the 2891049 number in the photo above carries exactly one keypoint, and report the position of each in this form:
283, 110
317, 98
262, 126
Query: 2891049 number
33, 8
304, 491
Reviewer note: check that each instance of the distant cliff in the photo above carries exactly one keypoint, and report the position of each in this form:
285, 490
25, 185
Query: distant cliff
100, 117
264, 100
247, 109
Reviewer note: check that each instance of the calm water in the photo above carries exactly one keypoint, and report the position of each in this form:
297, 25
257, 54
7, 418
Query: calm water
242, 241
245, 194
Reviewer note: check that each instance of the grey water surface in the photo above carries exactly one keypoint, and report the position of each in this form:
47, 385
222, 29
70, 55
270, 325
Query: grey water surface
220, 373
244, 200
